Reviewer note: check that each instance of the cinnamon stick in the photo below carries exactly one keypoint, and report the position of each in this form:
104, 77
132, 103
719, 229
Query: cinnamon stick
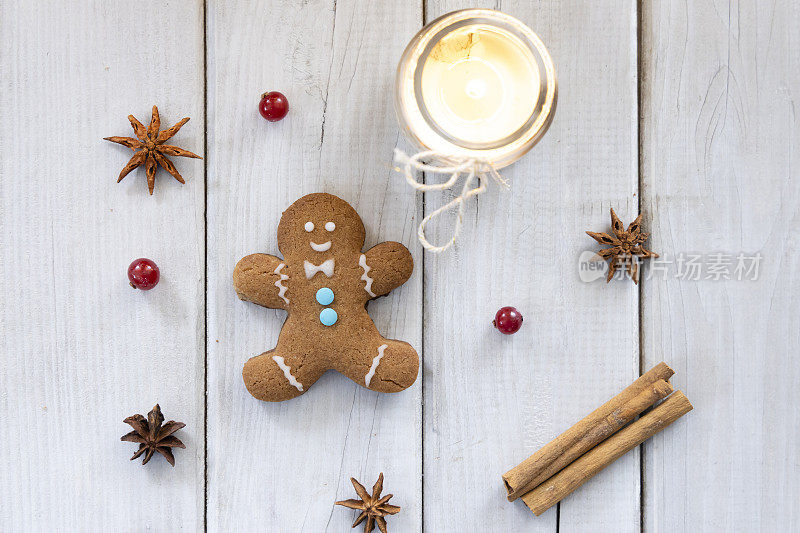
584, 468
606, 427
588, 432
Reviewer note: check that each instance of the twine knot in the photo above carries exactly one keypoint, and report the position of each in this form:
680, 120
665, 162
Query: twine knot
472, 167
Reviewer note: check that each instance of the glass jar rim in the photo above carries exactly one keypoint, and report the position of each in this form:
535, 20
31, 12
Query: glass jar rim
422, 130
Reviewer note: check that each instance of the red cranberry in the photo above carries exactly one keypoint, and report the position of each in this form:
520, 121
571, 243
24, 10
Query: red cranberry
143, 274
507, 320
273, 106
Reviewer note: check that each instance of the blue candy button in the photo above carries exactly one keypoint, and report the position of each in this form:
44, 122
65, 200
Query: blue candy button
328, 317
325, 296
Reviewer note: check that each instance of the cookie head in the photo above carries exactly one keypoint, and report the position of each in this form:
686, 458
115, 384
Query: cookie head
319, 223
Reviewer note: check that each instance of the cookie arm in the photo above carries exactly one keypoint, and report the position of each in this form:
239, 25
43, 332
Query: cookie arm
386, 266
262, 279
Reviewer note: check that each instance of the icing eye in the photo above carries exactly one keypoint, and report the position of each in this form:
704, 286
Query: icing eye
330, 226
309, 226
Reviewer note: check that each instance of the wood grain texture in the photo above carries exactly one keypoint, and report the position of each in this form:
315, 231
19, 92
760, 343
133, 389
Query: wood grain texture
280, 467
721, 84
490, 400
80, 349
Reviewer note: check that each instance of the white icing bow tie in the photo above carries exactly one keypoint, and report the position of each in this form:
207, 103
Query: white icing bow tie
311, 269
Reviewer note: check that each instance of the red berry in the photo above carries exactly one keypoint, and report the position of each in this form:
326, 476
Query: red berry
143, 274
507, 320
273, 106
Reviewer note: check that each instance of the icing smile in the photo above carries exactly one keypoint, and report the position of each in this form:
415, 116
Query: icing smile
324, 247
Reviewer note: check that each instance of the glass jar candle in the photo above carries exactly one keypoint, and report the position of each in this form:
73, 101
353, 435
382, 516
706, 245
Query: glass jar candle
476, 84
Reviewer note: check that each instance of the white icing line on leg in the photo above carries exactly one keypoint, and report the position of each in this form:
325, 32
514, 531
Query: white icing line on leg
375, 362
362, 262
281, 287
287, 372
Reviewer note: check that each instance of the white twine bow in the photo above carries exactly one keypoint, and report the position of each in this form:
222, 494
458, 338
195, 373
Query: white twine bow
473, 167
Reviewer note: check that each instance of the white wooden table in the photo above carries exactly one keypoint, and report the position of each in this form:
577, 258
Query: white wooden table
686, 111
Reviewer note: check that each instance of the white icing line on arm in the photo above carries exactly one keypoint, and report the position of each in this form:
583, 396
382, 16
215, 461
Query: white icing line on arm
311, 269
362, 262
324, 247
281, 287
287, 372
375, 362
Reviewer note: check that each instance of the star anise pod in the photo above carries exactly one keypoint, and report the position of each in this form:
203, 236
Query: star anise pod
373, 508
150, 148
152, 436
626, 246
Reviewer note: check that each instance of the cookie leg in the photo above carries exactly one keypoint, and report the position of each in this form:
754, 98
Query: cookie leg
273, 377
388, 366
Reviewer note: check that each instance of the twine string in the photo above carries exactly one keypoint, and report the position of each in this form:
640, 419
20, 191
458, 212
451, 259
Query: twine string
474, 168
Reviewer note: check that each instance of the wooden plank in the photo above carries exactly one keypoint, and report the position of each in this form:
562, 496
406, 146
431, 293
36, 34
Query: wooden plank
82, 350
490, 400
281, 466
720, 141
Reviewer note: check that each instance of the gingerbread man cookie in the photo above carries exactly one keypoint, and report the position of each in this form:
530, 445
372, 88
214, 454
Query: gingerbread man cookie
325, 282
